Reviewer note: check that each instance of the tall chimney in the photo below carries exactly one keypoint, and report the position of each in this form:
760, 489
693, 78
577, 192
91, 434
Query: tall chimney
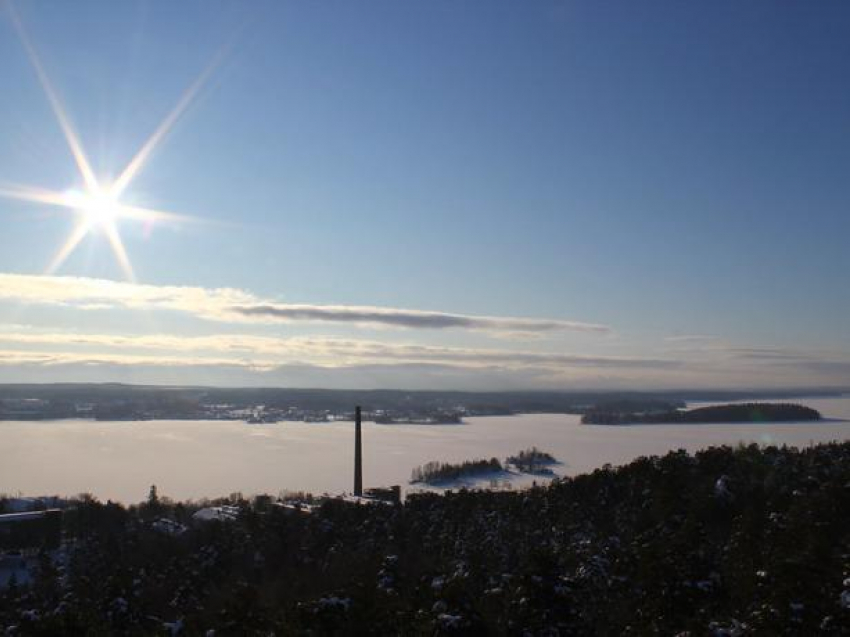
358, 454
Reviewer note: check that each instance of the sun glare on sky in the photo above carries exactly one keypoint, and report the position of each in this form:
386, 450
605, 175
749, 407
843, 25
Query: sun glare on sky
97, 204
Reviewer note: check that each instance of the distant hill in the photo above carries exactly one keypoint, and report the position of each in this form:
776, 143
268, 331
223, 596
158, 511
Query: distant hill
481, 403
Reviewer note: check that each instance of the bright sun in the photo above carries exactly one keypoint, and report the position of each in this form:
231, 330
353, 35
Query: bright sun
97, 205
99, 208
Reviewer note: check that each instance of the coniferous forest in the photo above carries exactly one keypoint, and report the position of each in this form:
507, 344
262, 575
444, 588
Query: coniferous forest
744, 541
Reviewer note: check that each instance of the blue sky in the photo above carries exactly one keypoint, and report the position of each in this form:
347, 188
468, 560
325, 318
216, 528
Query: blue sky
652, 172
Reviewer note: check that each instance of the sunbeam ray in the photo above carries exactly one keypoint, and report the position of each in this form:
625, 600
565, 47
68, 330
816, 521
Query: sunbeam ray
35, 195
149, 214
64, 122
141, 157
120, 252
79, 233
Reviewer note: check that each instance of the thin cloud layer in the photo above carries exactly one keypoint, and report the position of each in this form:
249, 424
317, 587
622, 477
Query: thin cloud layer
691, 338
246, 353
266, 352
757, 354
412, 319
238, 306
255, 360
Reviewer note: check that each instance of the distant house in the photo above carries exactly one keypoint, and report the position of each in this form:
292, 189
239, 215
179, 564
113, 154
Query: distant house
221, 513
23, 505
390, 495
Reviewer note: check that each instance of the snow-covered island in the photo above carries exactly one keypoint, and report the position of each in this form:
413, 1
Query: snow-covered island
528, 461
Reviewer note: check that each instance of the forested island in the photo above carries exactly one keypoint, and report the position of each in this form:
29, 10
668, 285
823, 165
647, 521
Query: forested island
729, 541
437, 472
531, 461
735, 413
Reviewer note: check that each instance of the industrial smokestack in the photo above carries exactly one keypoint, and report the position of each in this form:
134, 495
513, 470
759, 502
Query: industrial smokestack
358, 454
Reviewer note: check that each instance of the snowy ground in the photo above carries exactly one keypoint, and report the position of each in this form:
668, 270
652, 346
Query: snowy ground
186, 459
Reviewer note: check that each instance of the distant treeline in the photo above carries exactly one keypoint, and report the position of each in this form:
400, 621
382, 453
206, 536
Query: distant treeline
184, 401
341, 400
745, 412
433, 472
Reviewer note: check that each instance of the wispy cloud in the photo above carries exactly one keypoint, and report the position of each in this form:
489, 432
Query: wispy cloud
413, 319
754, 354
267, 352
238, 306
691, 338
255, 360
246, 352
770, 354
91, 294
13, 358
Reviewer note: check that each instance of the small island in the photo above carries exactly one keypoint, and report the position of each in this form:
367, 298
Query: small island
735, 413
436, 472
436, 418
530, 461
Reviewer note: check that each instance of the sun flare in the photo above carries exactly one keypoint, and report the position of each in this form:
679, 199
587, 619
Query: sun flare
97, 203
99, 208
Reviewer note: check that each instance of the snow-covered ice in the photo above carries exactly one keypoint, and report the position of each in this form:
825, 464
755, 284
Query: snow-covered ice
195, 459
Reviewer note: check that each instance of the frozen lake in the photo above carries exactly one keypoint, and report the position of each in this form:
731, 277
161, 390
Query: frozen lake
194, 459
